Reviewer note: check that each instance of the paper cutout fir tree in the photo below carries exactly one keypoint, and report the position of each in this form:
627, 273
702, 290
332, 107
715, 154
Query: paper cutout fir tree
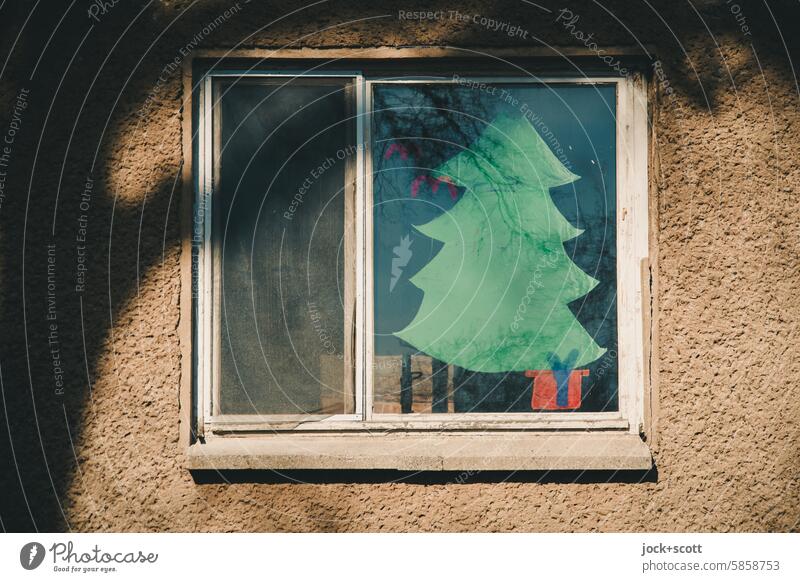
496, 295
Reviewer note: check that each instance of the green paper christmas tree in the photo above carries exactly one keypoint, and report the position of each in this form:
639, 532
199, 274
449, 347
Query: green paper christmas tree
496, 295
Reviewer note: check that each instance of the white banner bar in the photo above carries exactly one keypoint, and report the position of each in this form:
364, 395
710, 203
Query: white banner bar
401, 557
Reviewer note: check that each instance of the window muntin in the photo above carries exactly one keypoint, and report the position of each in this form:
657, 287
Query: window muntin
631, 241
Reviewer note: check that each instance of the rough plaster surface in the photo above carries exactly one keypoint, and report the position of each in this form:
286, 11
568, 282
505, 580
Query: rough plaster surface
104, 456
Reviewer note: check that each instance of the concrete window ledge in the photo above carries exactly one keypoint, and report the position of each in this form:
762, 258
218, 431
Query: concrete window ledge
520, 451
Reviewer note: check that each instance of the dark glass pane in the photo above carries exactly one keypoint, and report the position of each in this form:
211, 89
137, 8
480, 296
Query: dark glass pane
495, 248
280, 234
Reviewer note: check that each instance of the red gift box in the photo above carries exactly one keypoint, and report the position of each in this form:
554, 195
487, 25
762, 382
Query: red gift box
545, 389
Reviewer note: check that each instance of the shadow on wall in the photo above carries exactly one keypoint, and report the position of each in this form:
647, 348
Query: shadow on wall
89, 132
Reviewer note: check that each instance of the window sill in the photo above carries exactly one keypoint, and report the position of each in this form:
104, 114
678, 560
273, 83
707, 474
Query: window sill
522, 451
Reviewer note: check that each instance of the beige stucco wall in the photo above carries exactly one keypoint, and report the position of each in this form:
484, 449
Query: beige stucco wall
104, 454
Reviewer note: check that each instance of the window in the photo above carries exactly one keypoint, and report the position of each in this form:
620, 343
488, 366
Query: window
418, 254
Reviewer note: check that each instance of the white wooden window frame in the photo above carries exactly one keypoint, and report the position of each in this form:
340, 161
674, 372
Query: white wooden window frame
632, 252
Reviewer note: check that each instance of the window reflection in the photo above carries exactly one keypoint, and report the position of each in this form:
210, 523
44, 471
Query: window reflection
494, 248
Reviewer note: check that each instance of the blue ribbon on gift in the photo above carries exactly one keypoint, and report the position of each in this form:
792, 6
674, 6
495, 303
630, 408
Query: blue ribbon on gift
562, 370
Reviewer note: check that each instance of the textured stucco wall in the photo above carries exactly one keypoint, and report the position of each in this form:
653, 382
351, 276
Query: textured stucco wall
103, 455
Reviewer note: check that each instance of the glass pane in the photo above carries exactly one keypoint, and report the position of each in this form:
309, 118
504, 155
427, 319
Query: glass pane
495, 249
282, 247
